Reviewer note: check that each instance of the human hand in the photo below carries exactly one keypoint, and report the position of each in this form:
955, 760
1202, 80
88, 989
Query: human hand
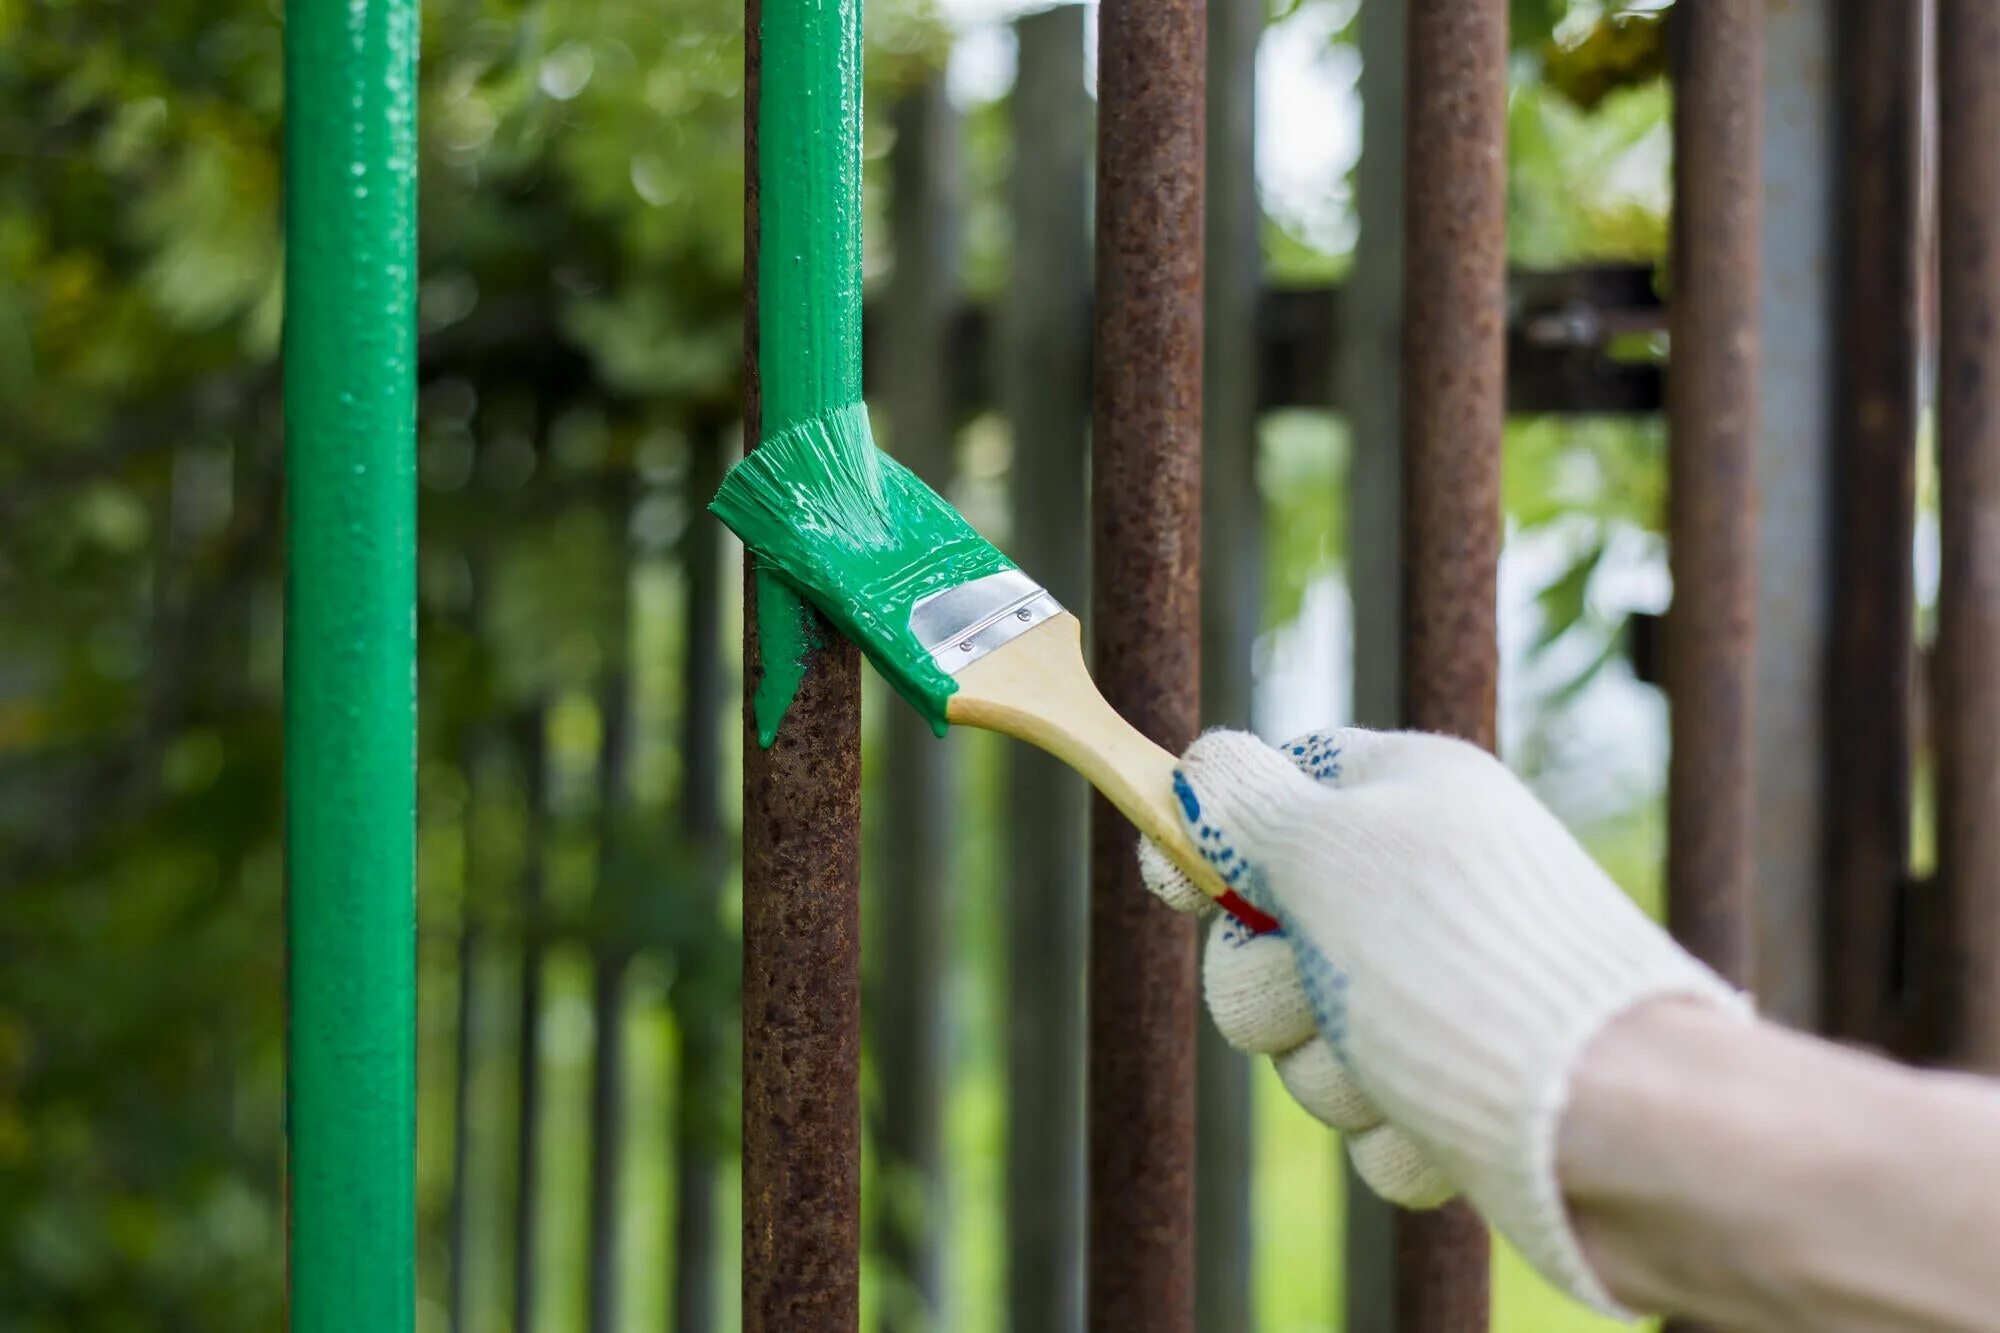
1446, 952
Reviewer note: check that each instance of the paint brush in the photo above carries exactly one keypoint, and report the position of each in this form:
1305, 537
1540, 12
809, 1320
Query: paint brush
960, 632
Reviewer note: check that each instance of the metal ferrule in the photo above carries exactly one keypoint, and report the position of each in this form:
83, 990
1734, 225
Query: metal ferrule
958, 626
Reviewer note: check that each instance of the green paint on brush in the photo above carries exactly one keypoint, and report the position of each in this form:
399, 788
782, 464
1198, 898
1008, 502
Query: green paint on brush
808, 270
860, 535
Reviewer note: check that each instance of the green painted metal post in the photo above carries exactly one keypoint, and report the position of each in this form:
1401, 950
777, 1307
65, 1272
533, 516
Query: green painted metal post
350, 661
802, 795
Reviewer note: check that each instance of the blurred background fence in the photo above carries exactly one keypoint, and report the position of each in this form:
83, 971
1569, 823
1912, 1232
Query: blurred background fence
580, 349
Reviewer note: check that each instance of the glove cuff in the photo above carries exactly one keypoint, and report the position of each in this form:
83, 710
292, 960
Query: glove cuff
1487, 1098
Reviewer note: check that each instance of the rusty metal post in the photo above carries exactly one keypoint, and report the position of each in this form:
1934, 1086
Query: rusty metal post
801, 924
1454, 383
1874, 494
1146, 633
1968, 643
1712, 478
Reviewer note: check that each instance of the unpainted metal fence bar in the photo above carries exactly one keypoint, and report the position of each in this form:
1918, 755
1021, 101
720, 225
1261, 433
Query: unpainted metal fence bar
530, 741
1872, 628
1453, 409
350, 661
1968, 644
467, 1015
1145, 632
1711, 464
1232, 612
611, 961
699, 813
1044, 384
1794, 483
802, 796
1368, 356
909, 1026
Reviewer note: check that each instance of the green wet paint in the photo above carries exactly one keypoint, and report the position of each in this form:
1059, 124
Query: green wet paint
350, 661
862, 537
808, 271
787, 636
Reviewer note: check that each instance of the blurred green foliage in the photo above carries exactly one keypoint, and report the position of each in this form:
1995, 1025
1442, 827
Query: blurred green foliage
582, 247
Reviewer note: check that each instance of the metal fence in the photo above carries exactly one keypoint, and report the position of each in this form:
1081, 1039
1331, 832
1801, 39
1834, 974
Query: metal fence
1849, 938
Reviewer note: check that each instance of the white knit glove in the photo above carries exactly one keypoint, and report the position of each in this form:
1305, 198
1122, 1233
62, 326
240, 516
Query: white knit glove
1446, 952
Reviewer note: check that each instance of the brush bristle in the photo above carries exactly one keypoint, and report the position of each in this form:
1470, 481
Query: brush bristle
860, 536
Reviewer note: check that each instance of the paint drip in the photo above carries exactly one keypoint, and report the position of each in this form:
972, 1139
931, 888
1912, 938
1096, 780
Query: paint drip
862, 538
787, 634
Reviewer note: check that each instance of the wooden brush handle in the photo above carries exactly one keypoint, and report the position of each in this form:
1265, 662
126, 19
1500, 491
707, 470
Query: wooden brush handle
1037, 689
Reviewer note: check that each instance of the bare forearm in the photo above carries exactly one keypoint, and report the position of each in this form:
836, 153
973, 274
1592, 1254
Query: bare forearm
1756, 1179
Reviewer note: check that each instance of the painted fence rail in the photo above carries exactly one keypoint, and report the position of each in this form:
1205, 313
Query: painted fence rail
350, 662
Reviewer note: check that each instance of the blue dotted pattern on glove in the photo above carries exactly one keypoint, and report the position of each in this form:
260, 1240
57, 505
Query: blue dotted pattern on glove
1325, 984
1317, 755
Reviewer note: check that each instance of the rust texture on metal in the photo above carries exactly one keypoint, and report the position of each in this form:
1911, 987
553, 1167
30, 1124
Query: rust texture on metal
1871, 626
1453, 413
1967, 662
1454, 363
1453, 409
1146, 627
1710, 667
801, 941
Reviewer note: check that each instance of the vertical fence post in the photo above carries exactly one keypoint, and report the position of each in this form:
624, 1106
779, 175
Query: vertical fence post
350, 661
911, 1022
1874, 492
1453, 410
1044, 379
700, 810
610, 963
1145, 631
1370, 351
1711, 484
802, 796
468, 1019
1968, 644
1232, 609
1370, 373
531, 752
1794, 483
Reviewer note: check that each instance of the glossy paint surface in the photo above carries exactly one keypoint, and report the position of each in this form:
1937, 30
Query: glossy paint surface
862, 537
809, 271
350, 660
